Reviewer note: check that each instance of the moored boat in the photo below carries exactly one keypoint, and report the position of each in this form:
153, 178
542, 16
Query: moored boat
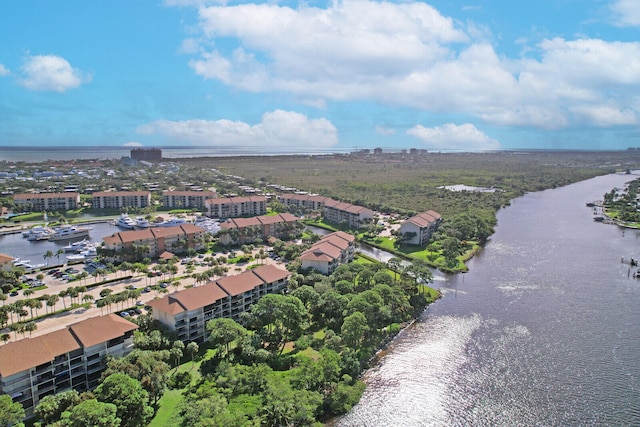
68, 232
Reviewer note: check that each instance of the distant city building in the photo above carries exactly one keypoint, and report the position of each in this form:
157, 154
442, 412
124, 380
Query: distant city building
187, 199
48, 201
377, 151
420, 227
146, 154
121, 199
70, 358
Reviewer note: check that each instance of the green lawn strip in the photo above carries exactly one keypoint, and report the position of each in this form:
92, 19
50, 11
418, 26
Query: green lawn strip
167, 409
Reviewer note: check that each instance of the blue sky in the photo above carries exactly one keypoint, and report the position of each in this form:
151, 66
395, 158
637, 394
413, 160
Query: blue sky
321, 76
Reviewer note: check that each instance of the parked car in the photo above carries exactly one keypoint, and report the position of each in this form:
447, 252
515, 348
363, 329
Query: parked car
124, 314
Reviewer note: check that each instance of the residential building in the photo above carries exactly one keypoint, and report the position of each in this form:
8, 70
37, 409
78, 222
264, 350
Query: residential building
186, 312
70, 358
47, 201
6, 262
153, 240
246, 230
353, 216
418, 229
234, 207
187, 199
311, 202
121, 199
329, 252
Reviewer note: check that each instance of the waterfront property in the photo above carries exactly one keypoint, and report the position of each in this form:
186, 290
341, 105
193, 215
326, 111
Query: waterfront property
121, 199
71, 358
305, 201
246, 230
47, 201
6, 262
153, 241
418, 229
187, 199
329, 252
353, 216
186, 312
234, 207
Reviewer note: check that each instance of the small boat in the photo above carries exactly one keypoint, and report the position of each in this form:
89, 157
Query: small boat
172, 222
68, 232
76, 246
125, 222
142, 222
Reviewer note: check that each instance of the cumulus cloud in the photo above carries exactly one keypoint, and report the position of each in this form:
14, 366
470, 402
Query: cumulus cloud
626, 13
4, 71
132, 144
277, 130
51, 73
409, 54
382, 130
454, 137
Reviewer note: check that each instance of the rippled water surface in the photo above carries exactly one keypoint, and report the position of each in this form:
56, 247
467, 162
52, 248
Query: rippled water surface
544, 329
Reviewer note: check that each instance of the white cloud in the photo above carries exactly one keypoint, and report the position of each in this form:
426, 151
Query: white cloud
382, 130
454, 137
408, 54
277, 130
132, 144
4, 71
626, 13
51, 73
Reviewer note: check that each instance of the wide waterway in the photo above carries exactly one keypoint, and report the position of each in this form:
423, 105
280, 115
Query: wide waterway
543, 331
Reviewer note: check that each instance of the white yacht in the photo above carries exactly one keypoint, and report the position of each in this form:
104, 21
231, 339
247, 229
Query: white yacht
125, 222
172, 222
142, 222
38, 232
76, 246
68, 232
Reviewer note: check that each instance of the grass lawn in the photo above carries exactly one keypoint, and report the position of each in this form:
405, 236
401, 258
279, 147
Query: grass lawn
167, 409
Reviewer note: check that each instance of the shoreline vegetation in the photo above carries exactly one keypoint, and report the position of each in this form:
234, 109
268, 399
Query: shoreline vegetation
301, 366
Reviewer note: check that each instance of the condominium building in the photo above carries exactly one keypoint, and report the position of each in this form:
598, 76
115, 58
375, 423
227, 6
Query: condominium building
156, 240
121, 199
70, 358
48, 201
186, 199
418, 229
353, 216
305, 201
246, 230
6, 262
186, 312
329, 252
234, 207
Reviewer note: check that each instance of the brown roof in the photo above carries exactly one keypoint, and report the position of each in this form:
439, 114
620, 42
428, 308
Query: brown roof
191, 228
120, 193
239, 283
189, 193
344, 236
232, 200
135, 235
27, 353
270, 273
315, 255
193, 298
96, 330
166, 255
25, 196
6, 258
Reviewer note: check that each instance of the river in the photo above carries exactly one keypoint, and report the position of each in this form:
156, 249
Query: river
544, 330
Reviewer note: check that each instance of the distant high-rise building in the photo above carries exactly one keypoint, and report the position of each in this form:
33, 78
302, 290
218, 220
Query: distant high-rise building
146, 154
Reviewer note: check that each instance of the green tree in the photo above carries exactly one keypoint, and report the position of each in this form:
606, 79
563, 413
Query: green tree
223, 331
354, 329
11, 413
130, 399
91, 413
51, 407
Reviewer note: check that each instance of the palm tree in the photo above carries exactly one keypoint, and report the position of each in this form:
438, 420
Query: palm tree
58, 253
30, 327
5, 338
28, 292
192, 349
51, 301
3, 297
47, 256
63, 293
